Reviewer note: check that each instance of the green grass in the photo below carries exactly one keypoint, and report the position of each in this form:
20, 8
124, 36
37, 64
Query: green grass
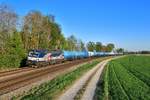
126, 79
48, 90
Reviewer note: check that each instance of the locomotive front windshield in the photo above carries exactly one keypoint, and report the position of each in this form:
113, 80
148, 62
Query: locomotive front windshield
37, 54
33, 54
56, 53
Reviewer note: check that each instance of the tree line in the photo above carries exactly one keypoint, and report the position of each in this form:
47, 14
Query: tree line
35, 31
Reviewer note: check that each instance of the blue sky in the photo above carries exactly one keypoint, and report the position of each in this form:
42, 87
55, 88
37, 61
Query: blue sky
125, 23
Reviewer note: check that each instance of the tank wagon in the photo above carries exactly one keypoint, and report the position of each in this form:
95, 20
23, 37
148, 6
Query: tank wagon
71, 55
40, 58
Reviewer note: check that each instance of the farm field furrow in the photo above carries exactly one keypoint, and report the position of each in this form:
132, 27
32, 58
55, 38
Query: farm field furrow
139, 63
134, 87
133, 65
125, 79
113, 77
138, 74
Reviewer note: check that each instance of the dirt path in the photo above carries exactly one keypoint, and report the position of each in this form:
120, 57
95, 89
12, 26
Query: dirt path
89, 92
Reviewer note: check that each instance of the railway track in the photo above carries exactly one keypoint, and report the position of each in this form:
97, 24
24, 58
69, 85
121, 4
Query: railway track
10, 72
26, 69
29, 75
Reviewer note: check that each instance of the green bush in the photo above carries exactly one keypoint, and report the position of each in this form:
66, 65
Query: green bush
14, 52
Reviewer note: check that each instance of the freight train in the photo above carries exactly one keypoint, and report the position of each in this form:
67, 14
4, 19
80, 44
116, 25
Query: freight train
40, 58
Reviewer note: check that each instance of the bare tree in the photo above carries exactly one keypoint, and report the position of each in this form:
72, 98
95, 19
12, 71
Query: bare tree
37, 30
32, 28
80, 45
72, 42
8, 22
